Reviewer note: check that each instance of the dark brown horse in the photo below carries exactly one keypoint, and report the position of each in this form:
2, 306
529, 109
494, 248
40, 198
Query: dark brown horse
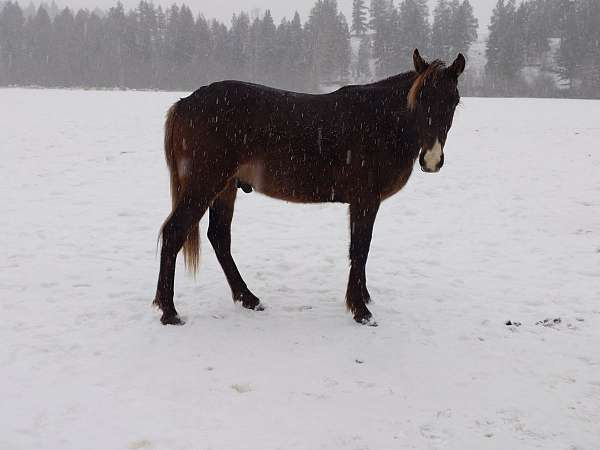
356, 145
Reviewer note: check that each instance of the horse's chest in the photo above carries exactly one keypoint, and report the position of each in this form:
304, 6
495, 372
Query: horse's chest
392, 183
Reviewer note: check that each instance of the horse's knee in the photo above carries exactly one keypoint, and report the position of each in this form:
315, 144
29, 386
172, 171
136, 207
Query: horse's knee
213, 236
217, 236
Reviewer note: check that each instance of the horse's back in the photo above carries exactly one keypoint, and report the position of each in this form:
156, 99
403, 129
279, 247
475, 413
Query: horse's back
231, 90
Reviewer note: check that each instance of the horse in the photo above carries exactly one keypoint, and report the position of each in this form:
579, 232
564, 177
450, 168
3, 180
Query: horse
357, 146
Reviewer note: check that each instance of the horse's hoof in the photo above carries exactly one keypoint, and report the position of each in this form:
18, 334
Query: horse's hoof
255, 306
250, 301
368, 321
171, 319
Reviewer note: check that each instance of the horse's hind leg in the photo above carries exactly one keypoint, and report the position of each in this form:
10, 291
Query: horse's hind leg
219, 234
174, 232
362, 219
189, 210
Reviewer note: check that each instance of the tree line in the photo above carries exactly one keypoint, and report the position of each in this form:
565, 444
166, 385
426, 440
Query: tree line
148, 47
541, 47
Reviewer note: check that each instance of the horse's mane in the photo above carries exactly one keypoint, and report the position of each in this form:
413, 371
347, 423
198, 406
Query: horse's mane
411, 81
402, 79
432, 71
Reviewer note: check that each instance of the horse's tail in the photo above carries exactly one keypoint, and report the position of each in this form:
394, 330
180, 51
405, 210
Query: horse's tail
191, 246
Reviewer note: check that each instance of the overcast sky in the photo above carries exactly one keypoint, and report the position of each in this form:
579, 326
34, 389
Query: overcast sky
223, 9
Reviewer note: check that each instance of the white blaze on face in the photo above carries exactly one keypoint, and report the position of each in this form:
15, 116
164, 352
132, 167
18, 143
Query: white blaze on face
433, 156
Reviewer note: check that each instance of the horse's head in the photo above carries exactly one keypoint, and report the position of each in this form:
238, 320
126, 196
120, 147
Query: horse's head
433, 98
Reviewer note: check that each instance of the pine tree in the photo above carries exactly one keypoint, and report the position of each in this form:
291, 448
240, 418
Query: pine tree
94, 47
171, 35
579, 56
591, 75
328, 42
202, 52
132, 59
148, 43
239, 43
297, 53
185, 36
282, 47
362, 69
265, 55
504, 48
66, 42
493, 44
414, 31
114, 56
40, 31
440, 30
12, 42
359, 17
343, 49
538, 28
462, 30
383, 23
81, 59
219, 58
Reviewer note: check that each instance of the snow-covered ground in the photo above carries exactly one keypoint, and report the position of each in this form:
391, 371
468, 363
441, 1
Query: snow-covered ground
508, 230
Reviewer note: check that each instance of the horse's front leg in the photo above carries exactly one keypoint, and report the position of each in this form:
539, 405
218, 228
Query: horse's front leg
362, 218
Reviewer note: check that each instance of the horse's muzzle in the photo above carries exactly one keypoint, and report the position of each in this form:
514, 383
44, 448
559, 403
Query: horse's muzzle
425, 169
432, 159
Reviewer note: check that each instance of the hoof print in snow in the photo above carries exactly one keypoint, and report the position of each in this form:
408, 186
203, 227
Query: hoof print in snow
359, 361
136, 445
549, 322
241, 388
297, 308
512, 323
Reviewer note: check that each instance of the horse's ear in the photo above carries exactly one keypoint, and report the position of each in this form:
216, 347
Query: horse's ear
458, 66
420, 64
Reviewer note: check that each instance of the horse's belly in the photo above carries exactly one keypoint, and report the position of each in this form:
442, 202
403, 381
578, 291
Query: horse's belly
297, 186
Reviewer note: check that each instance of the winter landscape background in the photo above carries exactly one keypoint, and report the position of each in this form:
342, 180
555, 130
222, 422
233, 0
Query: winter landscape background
542, 48
485, 277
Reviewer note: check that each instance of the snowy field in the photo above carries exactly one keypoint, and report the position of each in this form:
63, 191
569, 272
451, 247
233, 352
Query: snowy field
508, 230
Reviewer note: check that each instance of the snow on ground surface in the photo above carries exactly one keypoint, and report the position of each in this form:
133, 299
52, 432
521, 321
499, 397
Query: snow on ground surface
508, 230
